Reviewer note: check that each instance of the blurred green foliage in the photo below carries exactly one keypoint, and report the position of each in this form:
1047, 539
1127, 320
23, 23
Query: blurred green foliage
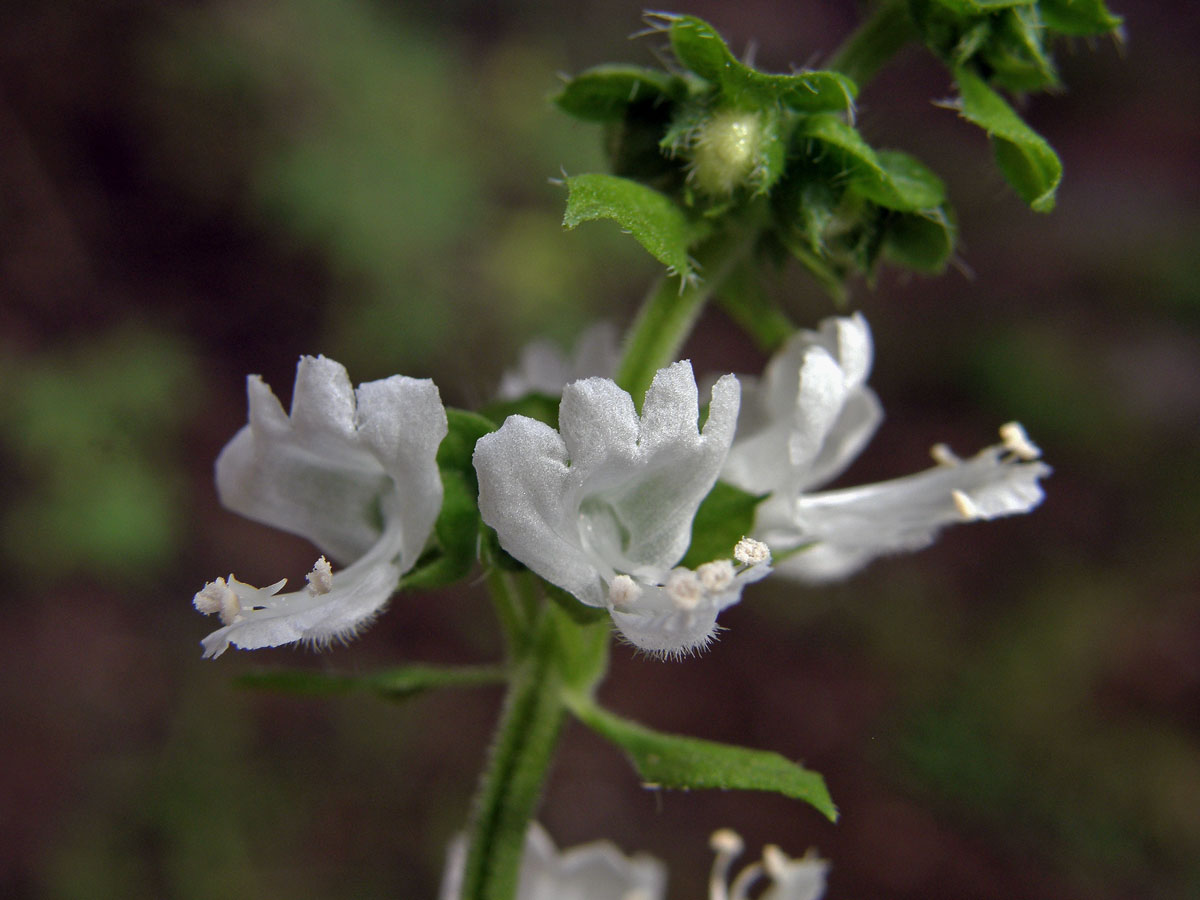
92, 428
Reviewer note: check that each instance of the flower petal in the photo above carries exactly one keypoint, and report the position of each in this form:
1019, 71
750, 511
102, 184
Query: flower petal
596, 871
848, 528
320, 472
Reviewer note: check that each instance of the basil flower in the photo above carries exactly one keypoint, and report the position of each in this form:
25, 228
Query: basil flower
600, 871
603, 508
807, 420
352, 470
595, 871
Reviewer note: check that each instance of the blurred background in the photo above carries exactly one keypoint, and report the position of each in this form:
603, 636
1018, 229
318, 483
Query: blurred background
193, 191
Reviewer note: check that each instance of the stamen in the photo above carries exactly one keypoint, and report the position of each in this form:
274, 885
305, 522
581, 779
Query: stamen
320, 579
684, 589
750, 552
623, 592
219, 597
1016, 440
716, 575
727, 845
943, 455
967, 508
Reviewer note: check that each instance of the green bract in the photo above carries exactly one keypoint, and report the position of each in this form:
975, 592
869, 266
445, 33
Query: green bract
696, 152
1027, 161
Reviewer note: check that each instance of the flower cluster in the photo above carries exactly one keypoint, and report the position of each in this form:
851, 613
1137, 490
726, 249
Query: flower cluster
603, 507
599, 871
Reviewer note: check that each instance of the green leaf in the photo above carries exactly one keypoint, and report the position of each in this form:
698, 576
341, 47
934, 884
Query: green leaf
888, 178
699, 47
980, 7
1029, 163
1081, 18
923, 241
723, 519
397, 684
602, 93
673, 761
659, 225
457, 527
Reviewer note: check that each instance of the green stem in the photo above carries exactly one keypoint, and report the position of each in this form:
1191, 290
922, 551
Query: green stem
669, 313
524, 746
875, 42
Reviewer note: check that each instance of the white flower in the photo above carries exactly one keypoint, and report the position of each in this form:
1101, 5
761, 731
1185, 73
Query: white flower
604, 510
810, 417
355, 472
543, 369
599, 871
596, 871
791, 879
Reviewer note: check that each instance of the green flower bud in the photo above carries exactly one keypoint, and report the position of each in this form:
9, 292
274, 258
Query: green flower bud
728, 150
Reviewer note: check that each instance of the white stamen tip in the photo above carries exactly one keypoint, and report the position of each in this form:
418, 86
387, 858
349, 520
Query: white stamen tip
716, 575
774, 861
943, 455
1016, 440
726, 840
967, 508
684, 588
219, 597
623, 592
320, 579
750, 552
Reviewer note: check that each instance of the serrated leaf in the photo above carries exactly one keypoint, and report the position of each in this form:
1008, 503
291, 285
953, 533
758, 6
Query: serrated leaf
602, 93
398, 684
923, 241
654, 219
457, 527
1029, 163
699, 47
686, 763
724, 518
1080, 18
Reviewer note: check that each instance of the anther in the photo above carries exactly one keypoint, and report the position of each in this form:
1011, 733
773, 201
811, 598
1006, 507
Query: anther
967, 508
623, 592
320, 579
1017, 441
219, 597
716, 576
750, 552
943, 455
684, 589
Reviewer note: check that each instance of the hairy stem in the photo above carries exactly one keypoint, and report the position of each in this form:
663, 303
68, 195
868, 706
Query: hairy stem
521, 753
668, 314
875, 42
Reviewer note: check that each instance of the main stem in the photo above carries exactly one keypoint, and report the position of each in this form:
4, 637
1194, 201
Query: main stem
526, 738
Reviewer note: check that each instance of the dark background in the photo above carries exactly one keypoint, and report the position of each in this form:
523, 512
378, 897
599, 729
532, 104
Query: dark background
193, 191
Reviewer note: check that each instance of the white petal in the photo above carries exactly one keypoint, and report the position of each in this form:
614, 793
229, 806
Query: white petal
848, 528
543, 369
794, 879
524, 494
810, 415
322, 471
596, 871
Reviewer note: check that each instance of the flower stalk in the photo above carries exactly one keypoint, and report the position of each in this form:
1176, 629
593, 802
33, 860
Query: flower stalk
875, 42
